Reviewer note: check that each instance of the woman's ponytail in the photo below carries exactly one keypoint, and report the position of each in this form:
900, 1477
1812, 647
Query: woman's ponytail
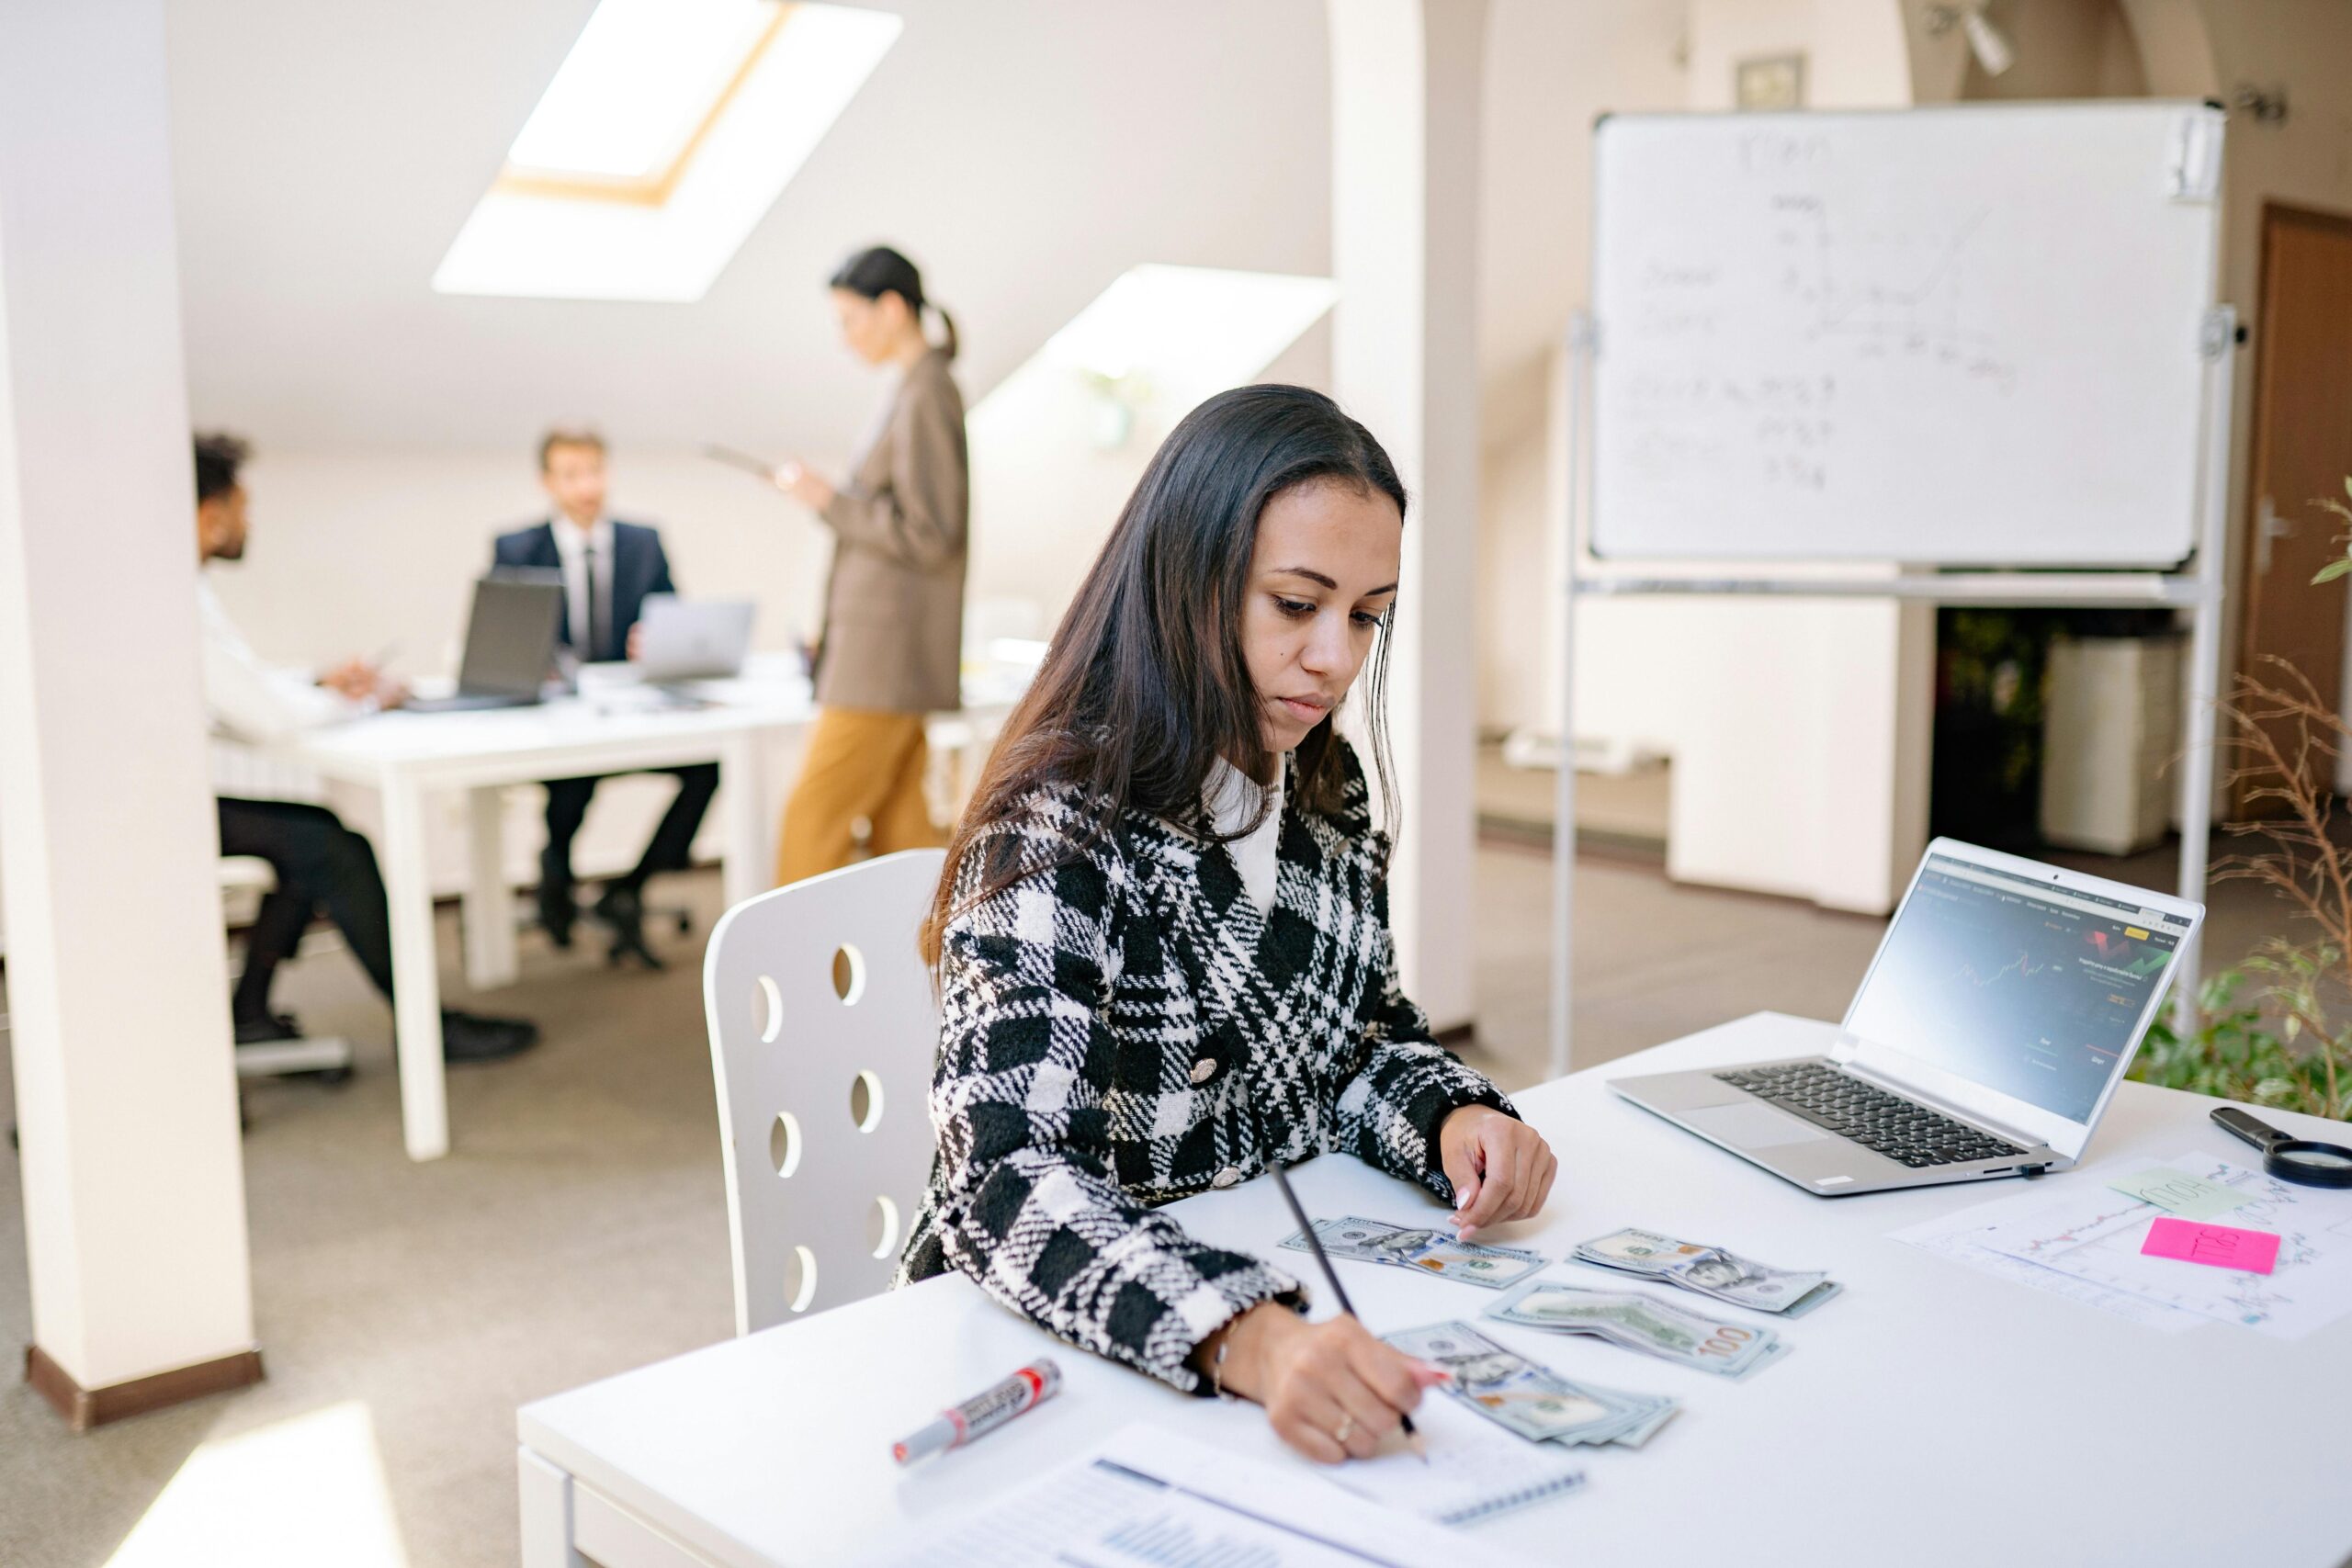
879, 270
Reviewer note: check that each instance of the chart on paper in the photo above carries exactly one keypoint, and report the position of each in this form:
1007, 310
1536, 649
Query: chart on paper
2094, 1237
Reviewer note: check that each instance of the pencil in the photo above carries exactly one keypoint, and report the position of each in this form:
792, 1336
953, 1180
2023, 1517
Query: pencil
1338, 1292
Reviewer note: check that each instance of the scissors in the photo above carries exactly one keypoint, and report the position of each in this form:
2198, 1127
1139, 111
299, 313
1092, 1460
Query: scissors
2304, 1161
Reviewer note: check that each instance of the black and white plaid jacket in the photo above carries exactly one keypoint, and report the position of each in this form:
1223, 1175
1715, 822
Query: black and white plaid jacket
1114, 1034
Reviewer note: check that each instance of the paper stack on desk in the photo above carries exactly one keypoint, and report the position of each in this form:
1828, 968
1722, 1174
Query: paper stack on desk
2080, 1237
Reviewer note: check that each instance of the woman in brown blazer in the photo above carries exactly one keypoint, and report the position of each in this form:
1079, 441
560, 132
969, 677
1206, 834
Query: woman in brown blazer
891, 651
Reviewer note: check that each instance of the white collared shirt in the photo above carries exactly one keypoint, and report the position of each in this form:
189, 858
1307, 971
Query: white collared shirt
249, 698
1232, 797
572, 543
251, 702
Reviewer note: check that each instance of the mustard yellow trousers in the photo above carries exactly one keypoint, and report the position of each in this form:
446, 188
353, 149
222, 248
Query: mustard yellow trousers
859, 763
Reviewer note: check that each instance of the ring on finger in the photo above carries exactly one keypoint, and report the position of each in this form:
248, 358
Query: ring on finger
1346, 1429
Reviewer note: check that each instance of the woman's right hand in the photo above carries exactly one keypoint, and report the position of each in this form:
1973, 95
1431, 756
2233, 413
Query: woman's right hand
1331, 1389
796, 480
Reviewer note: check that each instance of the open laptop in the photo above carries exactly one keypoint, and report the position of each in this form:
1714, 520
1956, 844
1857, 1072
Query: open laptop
1995, 1020
692, 639
510, 645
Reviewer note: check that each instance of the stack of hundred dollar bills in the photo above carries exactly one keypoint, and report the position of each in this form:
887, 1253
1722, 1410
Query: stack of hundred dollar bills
1535, 1401
1438, 1253
1637, 1321
1710, 1272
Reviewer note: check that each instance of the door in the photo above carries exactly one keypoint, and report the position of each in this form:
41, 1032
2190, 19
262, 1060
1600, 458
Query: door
2301, 450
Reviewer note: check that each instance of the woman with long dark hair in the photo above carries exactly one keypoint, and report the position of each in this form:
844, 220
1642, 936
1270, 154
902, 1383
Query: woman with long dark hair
892, 646
1163, 938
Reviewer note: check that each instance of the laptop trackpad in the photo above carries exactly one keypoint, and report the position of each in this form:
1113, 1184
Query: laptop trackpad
1752, 1125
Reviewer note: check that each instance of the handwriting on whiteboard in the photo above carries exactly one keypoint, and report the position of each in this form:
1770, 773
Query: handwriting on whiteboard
1787, 422
1845, 301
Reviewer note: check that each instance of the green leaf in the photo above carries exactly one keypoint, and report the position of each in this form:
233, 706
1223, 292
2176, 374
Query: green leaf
2331, 572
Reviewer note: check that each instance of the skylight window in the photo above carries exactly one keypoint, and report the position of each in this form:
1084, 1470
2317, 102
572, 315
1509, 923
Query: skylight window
1144, 351
1197, 328
665, 136
1158, 340
640, 82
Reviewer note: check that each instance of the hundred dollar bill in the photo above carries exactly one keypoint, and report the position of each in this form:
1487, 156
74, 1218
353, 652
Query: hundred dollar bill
1429, 1251
1643, 1322
1710, 1272
1532, 1401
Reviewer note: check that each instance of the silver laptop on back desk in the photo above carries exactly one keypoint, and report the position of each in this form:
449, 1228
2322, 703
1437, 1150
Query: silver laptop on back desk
694, 639
2003, 1006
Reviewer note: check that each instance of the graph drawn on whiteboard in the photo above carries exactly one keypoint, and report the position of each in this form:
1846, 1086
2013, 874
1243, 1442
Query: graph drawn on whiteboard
1959, 336
1889, 294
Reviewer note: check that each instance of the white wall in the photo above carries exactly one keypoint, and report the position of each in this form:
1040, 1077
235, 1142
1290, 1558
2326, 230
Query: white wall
1045, 494
1748, 699
1856, 56
1550, 68
352, 550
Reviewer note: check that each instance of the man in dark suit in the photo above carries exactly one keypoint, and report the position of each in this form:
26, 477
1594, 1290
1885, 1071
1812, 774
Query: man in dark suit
608, 567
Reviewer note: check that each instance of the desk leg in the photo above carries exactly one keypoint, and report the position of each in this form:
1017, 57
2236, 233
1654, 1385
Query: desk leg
489, 903
546, 1513
416, 979
742, 782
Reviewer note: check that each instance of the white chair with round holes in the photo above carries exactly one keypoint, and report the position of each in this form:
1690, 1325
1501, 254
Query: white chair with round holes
823, 1031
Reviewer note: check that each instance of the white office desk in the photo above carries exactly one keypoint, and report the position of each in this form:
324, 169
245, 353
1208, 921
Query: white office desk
405, 756
1932, 1415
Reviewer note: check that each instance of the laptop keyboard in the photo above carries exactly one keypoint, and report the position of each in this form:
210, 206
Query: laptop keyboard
1898, 1128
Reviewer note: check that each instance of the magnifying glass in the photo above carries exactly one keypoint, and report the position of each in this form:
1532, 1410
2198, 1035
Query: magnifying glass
2303, 1161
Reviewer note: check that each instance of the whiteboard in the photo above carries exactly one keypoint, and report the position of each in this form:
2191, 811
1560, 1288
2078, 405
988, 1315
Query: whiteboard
1962, 336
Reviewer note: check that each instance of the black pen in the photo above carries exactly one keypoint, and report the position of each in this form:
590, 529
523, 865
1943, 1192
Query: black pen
1338, 1292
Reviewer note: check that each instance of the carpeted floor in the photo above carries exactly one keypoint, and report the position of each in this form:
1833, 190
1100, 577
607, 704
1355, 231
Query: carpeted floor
579, 1228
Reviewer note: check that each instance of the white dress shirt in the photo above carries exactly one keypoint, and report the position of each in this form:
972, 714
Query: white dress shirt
251, 702
249, 698
1232, 797
572, 542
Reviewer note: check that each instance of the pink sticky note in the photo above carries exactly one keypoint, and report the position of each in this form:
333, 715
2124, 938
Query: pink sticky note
2223, 1246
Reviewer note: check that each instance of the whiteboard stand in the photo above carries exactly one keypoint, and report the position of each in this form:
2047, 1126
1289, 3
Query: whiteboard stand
2197, 587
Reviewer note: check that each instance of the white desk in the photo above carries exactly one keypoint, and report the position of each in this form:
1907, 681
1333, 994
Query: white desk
1932, 1415
405, 756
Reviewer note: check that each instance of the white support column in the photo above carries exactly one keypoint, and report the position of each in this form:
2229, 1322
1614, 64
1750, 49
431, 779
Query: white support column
1403, 358
126, 1093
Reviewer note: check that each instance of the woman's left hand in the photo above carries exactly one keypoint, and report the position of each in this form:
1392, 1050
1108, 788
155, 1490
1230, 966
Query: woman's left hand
796, 480
1501, 1167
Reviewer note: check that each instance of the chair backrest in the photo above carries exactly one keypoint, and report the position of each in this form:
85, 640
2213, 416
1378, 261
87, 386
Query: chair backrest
823, 1027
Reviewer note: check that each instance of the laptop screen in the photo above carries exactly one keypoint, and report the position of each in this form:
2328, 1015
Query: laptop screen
511, 637
2033, 990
